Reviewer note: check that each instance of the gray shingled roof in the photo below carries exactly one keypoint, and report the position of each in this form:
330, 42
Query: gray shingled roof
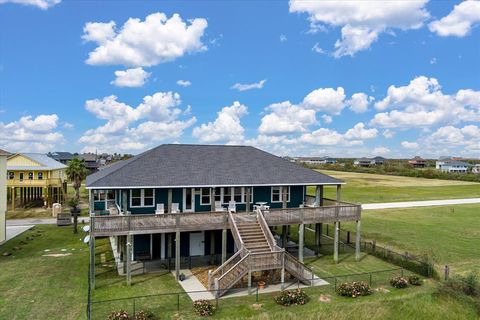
177, 165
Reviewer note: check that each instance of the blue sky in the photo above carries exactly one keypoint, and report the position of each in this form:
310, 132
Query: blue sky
274, 74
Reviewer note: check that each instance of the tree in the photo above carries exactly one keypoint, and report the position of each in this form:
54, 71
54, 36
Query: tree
76, 173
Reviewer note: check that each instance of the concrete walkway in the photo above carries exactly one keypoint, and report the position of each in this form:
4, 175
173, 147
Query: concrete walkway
412, 204
34, 221
13, 231
195, 289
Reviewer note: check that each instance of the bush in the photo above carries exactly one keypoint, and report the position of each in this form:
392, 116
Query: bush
144, 315
291, 297
203, 308
119, 315
354, 289
467, 285
399, 282
415, 280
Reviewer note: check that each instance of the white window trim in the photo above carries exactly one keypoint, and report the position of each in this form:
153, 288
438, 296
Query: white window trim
232, 195
281, 194
142, 199
209, 197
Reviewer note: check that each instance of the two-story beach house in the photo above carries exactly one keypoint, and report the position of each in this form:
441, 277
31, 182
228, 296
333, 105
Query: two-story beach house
3, 194
33, 177
177, 201
453, 166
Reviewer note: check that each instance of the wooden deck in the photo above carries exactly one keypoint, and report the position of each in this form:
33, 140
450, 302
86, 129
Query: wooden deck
111, 225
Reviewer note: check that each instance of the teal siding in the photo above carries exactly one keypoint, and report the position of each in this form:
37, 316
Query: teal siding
199, 207
99, 205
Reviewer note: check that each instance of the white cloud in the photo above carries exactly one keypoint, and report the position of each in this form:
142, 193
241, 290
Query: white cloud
327, 119
422, 104
130, 78
285, 118
362, 22
155, 40
226, 128
409, 145
30, 134
327, 137
359, 132
316, 48
381, 151
184, 83
459, 21
326, 100
388, 133
42, 4
249, 86
129, 129
433, 60
283, 38
68, 125
359, 102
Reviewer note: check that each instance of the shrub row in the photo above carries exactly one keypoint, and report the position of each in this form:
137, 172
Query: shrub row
291, 297
354, 289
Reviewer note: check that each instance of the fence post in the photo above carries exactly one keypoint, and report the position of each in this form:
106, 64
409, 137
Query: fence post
256, 295
401, 272
370, 274
348, 237
447, 272
335, 283
134, 308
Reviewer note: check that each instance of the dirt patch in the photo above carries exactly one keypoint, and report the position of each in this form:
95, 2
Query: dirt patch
382, 290
55, 255
325, 298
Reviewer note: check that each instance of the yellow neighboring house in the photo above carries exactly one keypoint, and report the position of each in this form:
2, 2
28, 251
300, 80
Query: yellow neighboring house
3, 194
35, 178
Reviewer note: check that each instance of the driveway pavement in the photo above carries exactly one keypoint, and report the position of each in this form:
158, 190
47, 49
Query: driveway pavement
412, 204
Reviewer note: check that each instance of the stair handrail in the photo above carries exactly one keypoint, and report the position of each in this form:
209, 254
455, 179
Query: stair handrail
235, 232
220, 270
298, 264
267, 233
220, 291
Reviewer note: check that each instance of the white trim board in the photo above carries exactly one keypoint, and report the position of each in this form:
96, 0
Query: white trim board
223, 185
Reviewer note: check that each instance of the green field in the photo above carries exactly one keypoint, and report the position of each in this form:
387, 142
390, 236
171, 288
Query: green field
374, 188
36, 286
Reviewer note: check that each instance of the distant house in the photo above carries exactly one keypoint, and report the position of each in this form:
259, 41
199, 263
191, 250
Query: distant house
3, 191
453, 166
476, 169
35, 176
62, 157
367, 162
91, 161
418, 162
316, 160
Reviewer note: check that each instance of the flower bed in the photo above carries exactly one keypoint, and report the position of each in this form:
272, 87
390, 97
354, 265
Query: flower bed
203, 308
399, 282
291, 297
354, 289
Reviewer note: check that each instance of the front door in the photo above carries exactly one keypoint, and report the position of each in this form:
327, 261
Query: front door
197, 243
188, 200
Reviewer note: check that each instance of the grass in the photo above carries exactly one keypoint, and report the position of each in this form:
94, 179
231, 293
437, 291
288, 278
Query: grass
448, 234
375, 188
35, 286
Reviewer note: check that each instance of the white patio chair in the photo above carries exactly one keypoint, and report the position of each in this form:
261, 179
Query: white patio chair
175, 208
160, 208
232, 206
218, 206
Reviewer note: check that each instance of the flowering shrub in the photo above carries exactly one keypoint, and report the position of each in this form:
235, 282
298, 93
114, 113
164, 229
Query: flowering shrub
415, 280
203, 308
354, 289
399, 282
144, 315
118, 315
289, 297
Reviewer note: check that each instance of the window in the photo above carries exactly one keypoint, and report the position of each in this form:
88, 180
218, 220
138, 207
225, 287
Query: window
142, 198
218, 194
40, 176
11, 175
21, 176
99, 195
110, 195
30, 176
277, 195
237, 194
205, 196
227, 195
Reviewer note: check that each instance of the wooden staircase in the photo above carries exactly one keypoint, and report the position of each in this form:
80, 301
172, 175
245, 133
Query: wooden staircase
257, 251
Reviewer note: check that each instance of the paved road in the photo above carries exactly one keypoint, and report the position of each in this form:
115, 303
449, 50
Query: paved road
34, 221
412, 204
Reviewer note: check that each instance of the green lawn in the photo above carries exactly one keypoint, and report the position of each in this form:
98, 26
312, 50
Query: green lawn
448, 234
372, 188
35, 286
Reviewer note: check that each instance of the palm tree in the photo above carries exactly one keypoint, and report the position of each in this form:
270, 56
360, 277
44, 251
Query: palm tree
76, 173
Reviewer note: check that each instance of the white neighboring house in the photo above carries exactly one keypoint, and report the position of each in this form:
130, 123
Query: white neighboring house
452, 166
476, 169
316, 160
3, 194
